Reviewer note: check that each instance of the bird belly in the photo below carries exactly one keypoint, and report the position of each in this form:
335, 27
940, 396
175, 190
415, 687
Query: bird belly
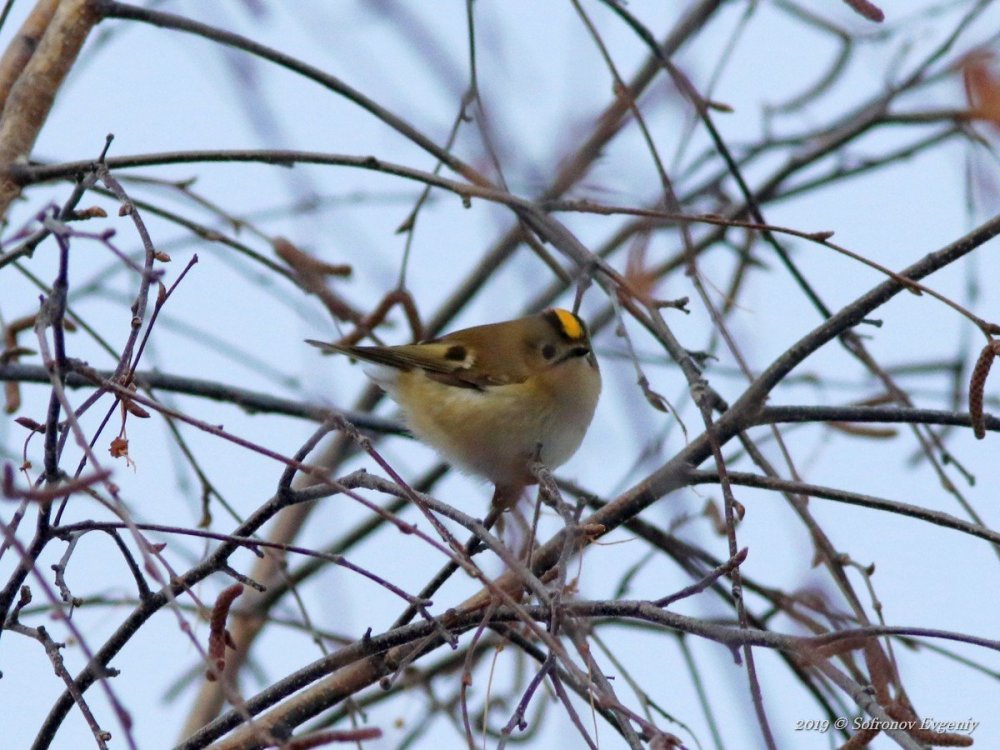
489, 432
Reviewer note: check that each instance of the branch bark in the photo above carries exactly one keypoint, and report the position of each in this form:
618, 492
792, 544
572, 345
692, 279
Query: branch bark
31, 95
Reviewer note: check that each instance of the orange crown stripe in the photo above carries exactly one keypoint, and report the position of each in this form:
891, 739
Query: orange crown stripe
571, 325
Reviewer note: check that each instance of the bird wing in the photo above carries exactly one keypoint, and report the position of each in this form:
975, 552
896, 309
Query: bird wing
423, 356
445, 360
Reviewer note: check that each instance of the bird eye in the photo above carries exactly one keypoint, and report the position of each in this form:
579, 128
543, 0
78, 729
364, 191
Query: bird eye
549, 351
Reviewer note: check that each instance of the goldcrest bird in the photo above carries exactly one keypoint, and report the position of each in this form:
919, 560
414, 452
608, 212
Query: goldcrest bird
493, 399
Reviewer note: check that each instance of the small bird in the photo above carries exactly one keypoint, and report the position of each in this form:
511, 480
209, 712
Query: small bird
494, 399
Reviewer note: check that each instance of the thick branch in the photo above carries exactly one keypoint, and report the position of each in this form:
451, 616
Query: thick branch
253, 402
31, 97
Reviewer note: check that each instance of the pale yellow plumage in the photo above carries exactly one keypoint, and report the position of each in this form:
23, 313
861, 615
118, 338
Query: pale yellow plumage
491, 399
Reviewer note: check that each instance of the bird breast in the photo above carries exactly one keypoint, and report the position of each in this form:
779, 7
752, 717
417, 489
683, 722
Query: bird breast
495, 432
